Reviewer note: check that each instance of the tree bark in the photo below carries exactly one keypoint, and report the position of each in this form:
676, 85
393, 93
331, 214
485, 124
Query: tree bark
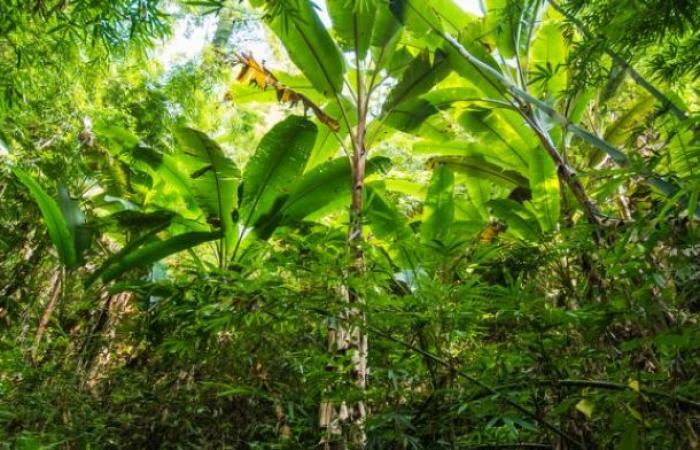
56, 283
344, 421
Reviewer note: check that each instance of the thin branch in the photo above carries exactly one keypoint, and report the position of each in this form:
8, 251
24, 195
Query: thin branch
493, 391
594, 384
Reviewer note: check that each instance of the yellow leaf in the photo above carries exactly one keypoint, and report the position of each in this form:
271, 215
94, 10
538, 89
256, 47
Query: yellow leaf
585, 407
634, 385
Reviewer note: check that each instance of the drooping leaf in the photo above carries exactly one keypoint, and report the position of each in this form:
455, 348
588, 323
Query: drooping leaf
476, 166
153, 252
80, 232
57, 225
255, 74
214, 179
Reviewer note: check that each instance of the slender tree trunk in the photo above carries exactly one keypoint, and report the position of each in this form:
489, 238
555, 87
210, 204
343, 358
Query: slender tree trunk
56, 283
344, 421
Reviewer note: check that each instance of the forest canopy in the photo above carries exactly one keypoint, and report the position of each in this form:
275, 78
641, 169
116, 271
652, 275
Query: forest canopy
349, 224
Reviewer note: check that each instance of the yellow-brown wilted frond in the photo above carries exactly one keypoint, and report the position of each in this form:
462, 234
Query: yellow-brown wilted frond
256, 74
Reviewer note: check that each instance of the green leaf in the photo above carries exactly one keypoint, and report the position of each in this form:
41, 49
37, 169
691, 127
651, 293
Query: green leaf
310, 46
325, 184
410, 115
386, 26
502, 141
153, 252
499, 21
618, 132
417, 15
58, 227
476, 166
630, 438
81, 234
275, 166
585, 407
418, 78
521, 223
548, 55
214, 179
544, 184
353, 21
438, 208
327, 143
385, 220
490, 85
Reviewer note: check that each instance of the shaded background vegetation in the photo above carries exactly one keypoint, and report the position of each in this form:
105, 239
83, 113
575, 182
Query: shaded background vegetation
498, 315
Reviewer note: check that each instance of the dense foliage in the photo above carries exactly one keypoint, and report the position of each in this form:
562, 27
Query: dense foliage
350, 224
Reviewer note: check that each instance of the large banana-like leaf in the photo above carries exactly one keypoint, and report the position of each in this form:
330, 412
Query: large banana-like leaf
152, 252
438, 208
419, 15
684, 150
419, 77
80, 232
59, 230
489, 84
275, 166
386, 29
325, 184
500, 21
618, 132
511, 23
492, 129
310, 46
385, 220
353, 21
544, 184
169, 187
548, 73
214, 180
521, 222
478, 167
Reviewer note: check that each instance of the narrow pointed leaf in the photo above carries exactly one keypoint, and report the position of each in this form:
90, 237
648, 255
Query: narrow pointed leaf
56, 223
153, 252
